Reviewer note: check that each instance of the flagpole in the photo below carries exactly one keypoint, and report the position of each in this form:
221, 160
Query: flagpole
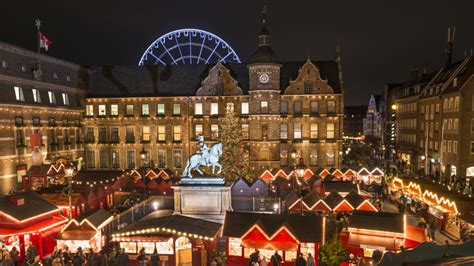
38, 25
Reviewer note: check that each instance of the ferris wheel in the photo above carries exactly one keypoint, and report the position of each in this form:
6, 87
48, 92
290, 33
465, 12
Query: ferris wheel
188, 46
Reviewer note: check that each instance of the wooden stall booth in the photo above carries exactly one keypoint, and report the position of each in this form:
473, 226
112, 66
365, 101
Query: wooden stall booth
179, 240
289, 235
86, 231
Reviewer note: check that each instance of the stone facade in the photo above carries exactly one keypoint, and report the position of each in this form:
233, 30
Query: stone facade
50, 104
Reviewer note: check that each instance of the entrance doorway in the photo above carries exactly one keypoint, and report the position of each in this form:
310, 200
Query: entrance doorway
184, 251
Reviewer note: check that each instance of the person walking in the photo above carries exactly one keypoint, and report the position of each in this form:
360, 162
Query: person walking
91, 258
31, 253
103, 260
276, 259
141, 256
15, 255
123, 259
78, 259
310, 261
300, 261
7, 260
254, 257
155, 258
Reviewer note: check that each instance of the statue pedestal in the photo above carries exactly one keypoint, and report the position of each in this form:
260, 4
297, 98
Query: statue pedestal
204, 197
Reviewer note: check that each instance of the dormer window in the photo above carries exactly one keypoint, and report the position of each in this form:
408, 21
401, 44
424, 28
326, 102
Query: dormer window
68, 78
455, 82
19, 93
23, 69
55, 75
4, 64
308, 87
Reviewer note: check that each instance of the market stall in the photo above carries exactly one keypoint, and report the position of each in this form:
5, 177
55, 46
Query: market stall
179, 240
289, 235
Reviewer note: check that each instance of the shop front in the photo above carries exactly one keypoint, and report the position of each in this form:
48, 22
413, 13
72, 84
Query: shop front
288, 235
179, 240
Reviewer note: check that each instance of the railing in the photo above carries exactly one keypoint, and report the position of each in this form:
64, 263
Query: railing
257, 204
142, 209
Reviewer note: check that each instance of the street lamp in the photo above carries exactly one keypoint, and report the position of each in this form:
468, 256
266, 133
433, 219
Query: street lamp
143, 154
67, 190
299, 173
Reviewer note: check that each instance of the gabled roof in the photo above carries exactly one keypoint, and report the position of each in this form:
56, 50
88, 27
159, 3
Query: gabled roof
236, 224
354, 199
333, 199
33, 206
97, 218
311, 198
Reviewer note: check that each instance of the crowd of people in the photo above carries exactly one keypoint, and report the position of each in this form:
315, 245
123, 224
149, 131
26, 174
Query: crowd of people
257, 259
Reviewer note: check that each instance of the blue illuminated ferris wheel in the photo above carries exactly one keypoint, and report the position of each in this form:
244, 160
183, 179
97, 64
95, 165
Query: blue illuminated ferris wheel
188, 46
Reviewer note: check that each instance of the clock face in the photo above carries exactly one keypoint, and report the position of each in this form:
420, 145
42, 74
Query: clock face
264, 78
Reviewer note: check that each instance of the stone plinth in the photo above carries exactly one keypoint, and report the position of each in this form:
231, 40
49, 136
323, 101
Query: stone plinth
204, 198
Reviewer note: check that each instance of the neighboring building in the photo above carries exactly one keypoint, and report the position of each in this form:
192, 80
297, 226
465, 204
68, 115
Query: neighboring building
373, 121
390, 125
354, 120
48, 102
161, 109
433, 121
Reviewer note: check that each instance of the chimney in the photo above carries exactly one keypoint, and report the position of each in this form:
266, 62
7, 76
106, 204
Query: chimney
449, 49
17, 201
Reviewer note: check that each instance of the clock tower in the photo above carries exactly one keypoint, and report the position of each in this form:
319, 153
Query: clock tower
264, 68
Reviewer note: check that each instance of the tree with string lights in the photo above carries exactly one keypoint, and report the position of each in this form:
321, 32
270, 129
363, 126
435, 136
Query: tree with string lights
235, 157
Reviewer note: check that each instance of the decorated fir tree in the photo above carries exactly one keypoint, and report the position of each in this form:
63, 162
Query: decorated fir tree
234, 158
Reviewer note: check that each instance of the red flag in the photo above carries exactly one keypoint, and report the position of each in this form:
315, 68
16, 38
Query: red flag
44, 42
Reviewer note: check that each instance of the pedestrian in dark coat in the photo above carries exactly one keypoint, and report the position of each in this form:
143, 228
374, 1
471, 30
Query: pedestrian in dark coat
123, 259
300, 261
78, 260
155, 258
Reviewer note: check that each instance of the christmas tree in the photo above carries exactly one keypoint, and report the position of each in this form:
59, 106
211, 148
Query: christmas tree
234, 158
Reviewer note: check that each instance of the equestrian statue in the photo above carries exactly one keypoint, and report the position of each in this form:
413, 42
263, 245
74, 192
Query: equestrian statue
207, 157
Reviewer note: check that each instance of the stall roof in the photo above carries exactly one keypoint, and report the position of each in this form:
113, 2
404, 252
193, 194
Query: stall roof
333, 199
96, 218
33, 205
178, 223
306, 228
379, 221
340, 186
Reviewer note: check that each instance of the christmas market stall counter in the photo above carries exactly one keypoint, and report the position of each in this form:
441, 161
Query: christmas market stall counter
289, 234
89, 230
179, 240
28, 218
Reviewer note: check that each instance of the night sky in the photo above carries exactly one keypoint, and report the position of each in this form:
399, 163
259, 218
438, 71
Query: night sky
381, 41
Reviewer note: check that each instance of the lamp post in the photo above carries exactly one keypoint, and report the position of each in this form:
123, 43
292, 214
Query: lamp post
67, 190
143, 154
298, 170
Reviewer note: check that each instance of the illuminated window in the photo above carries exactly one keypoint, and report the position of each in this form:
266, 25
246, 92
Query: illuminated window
146, 133
114, 109
102, 110
330, 131
198, 109
89, 110
161, 135
115, 154
245, 108
284, 131
19, 94
198, 130
331, 106
214, 132
230, 107
129, 110
160, 109
52, 97
89, 135
145, 109
36, 96
102, 134
245, 131
176, 109
313, 134
65, 99
176, 133
264, 107
214, 108
297, 131
308, 87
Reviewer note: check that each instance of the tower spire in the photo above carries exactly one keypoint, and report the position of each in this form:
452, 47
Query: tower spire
339, 66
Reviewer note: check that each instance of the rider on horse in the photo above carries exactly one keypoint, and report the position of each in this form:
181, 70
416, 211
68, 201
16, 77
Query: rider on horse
204, 150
